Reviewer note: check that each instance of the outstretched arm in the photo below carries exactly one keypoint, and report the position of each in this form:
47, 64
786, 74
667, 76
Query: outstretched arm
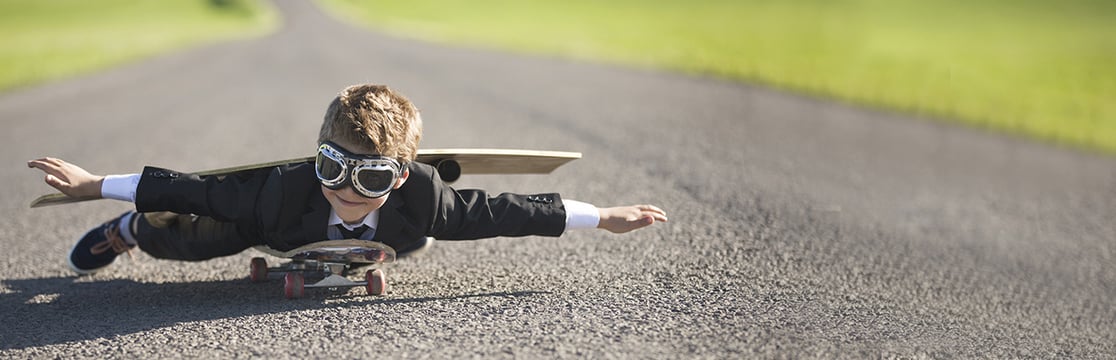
68, 178
623, 219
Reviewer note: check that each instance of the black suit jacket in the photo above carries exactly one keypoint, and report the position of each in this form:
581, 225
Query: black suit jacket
283, 207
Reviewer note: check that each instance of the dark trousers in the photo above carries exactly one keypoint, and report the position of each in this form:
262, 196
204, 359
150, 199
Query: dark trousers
173, 236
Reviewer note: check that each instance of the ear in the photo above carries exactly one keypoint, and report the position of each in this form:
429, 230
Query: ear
402, 179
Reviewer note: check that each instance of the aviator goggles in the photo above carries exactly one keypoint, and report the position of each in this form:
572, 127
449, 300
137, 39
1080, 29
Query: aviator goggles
371, 176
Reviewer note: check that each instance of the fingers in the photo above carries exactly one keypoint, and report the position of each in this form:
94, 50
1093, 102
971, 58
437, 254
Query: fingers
48, 165
655, 212
65, 177
54, 181
47, 161
52, 167
634, 224
41, 164
651, 208
628, 218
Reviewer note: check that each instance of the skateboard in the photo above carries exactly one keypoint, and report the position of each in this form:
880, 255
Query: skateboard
331, 260
451, 164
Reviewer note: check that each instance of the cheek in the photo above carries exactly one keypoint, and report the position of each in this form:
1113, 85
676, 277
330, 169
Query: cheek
376, 203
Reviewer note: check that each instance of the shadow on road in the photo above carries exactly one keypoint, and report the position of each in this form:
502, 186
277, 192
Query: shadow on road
37, 312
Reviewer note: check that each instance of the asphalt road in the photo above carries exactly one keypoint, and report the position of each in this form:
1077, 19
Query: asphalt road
799, 227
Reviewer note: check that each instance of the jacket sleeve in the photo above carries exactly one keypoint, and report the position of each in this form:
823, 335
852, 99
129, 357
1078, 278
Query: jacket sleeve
224, 198
473, 214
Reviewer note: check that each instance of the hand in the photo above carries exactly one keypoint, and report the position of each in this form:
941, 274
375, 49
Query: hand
627, 218
68, 178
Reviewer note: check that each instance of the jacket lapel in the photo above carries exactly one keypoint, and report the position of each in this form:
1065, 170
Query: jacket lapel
391, 229
392, 224
314, 221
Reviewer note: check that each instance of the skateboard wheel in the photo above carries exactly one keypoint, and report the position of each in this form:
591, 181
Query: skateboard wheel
259, 270
377, 282
293, 285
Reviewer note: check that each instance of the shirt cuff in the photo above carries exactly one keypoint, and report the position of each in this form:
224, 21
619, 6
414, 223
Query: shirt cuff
120, 187
581, 215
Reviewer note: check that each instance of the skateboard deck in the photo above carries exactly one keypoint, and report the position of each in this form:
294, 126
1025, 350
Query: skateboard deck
332, 260
347, 251
451, 164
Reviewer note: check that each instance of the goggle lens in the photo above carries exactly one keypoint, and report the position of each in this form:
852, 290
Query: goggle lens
375, 180
328, 169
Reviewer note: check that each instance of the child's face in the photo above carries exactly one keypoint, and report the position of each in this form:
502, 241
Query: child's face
349, 205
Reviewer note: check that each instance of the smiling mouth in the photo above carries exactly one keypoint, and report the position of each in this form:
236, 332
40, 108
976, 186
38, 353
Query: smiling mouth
347, 202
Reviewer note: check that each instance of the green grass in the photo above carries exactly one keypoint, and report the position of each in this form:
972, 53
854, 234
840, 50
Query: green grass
1045, 69
42, 40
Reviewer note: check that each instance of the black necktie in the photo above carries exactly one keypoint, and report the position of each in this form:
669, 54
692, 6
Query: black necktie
352, 234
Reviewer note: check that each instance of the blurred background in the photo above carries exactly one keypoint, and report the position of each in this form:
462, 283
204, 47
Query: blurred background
1040, 69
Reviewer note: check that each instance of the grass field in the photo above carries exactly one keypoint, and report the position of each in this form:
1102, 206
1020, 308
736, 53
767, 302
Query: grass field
41, 40
1046, 69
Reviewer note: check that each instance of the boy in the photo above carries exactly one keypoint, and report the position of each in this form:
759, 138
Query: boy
362, 185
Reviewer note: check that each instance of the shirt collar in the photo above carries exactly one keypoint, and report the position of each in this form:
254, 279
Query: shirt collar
372, 219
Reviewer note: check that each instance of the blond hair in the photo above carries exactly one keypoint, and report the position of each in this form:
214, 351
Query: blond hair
379, 120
